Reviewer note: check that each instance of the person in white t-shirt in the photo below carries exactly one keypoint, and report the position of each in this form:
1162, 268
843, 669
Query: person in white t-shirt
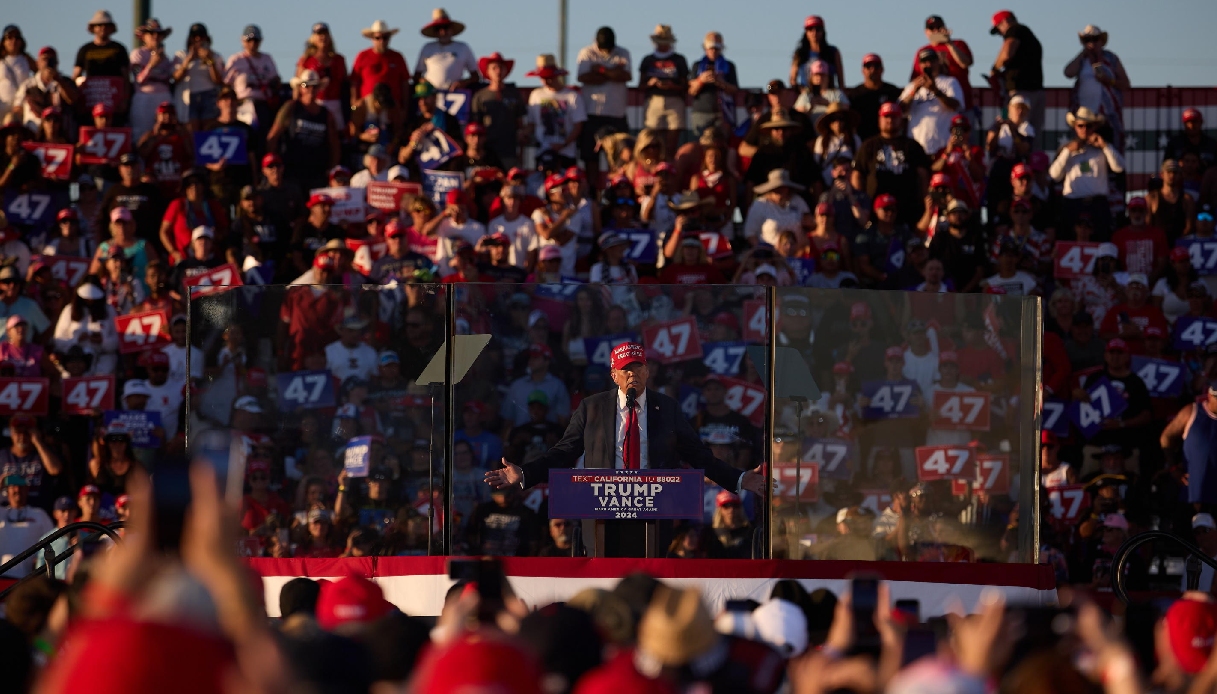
516, 227
442, 62
931, 100
1053, 472
921, 356
775, 210
552, 223
376, 168
350, 355
604, 70
164, 396
948, 382
20, 524
454, 227
1009, 279
557, 112
177, 350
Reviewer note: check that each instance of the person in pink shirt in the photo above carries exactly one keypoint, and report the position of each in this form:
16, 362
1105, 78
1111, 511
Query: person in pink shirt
380, 65
18, 353
1142, 246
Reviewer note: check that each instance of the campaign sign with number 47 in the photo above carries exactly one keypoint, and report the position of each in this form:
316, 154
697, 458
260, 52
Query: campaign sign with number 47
963, 411
1074, 259
21, 395
1192, 333
1203, 254
724, 358
1054, 417
1105, 403
222, 144
305, 390
674, 341
1163, 379
834, 457
1067, 502
945, 463
88, 394
890, 399
142, 331
643, 247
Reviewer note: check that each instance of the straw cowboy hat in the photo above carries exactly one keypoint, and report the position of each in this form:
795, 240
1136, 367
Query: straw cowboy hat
778, 178
1083, 115
153, 26
780, 120
663, 34
688, 200
496, 57
440, 18
1091, 32
100, 17
547, 67
677, 627
836, 111
379, 28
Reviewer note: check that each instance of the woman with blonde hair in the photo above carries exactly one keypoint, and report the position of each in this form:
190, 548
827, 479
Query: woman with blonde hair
648, 155
321, 57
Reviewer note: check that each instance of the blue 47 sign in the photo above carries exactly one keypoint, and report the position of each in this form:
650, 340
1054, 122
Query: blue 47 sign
222, 144
1163, 379
1193, 333
1054, 418
643, 247
1106, 402
890, 399
305, 390
724, 358
1203, 254
833, 456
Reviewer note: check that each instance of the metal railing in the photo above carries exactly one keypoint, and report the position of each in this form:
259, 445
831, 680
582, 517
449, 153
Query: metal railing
51, 560
1126, 549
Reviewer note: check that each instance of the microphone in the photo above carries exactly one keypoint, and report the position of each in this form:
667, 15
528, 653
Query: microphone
631, 394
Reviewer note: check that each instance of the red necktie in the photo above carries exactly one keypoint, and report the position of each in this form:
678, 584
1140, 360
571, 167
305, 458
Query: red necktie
632, 446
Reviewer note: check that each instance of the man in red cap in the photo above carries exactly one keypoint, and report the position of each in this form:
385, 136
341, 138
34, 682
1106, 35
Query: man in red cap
500, 109
893, 163
953, 54
879, 249
399, 262
627, 427
868, 97
1192, 140
1142, 246
1019, 67
557, 112
1183, 640
167, 150
282, 200
312, 232
349, 603
455, 225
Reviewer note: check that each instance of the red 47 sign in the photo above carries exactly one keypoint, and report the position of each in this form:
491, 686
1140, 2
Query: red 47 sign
56, 159
103, 145
961, 410
802, 481
756, 321
746, 398
992, 476
24, 396
65, 269
944, 463
226, 275
1073, 259
88, 394
674, 341
1066, 503
142, 331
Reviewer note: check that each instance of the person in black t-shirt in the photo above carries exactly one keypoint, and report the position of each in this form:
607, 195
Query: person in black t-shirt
1019, 66
311, 233
227, 179
102, 57
866, 98
664, 78
281, 198
256, 233
399, 262
1192, 140
535, 436
717, 418
202, 257
503, 527
893, 163
961, 248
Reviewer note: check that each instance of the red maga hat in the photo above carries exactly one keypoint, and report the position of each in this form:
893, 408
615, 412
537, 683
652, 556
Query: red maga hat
628, 353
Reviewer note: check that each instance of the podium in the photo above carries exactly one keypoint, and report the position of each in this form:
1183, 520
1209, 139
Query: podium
597, 497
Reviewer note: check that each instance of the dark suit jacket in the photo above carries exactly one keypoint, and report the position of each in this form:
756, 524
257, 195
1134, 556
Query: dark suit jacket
592, 433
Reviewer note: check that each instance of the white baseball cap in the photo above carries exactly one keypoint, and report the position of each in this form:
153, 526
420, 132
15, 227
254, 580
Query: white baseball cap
136, 386
783, 625
1107, 250
1139, 278
202, 232
1203, 520
247, 403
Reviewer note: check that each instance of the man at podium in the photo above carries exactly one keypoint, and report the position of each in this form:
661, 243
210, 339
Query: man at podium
627, 428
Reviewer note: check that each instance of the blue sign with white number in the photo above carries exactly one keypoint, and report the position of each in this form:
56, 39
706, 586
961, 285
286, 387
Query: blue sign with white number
803, 269
305, 390
221, 144
36, 210
141, 424
1054, 417
436, 185
643, 247
356, 455
435, 148
564, 292
455, 102
724, 358
1192, 333
1203, 253
1106, 402
632, 494
835, 457
599, 350
690, 400
890, 399
1163, 378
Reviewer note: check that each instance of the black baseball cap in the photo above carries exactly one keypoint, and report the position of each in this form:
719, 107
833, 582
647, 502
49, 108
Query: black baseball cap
128, 159
934, 22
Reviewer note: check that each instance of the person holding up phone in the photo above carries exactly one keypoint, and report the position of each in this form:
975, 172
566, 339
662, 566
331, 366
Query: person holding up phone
954, 55
1083, 165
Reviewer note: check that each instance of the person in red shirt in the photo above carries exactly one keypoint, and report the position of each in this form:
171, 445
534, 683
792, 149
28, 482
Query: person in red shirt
1142, 246
953, 54
1130, 319
260, 502
1057, 369
980, 366
309, 314
321, 57
167, 150
193, 209
380, 65
690, 265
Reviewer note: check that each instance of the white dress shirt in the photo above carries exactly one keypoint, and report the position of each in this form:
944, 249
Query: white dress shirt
644, 462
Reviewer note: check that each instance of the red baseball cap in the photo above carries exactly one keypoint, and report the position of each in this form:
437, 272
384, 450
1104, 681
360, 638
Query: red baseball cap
1138, 202
1019, 171
948, 357
454, 197
1023, 203
574, 173
499, 239
726, 498
157, 358
1047, 437
627, 353
885, 200
87, 490
843, 367
960, 120
1190, 628
323, 262
67, 213
824, 208
1117, 344
257, 465
1180, 253
872, 58
1154, 331
1000, 17
1190, 114
893, 352
319, 199
475, 129
339, 170
478, 662
891, 108
860, 309
270, 160
553, 181
393, 229
102, 111
165, 107
353, 599
516, 172
122, 501
940, 179
541, 351
814, 20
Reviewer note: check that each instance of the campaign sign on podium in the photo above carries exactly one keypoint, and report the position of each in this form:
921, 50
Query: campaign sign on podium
596, 494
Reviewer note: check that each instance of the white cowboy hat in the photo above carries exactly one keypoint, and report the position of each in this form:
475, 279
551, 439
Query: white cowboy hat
1083, 115
101, 17
308, 77
778, 178
1093, 32
378, 27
